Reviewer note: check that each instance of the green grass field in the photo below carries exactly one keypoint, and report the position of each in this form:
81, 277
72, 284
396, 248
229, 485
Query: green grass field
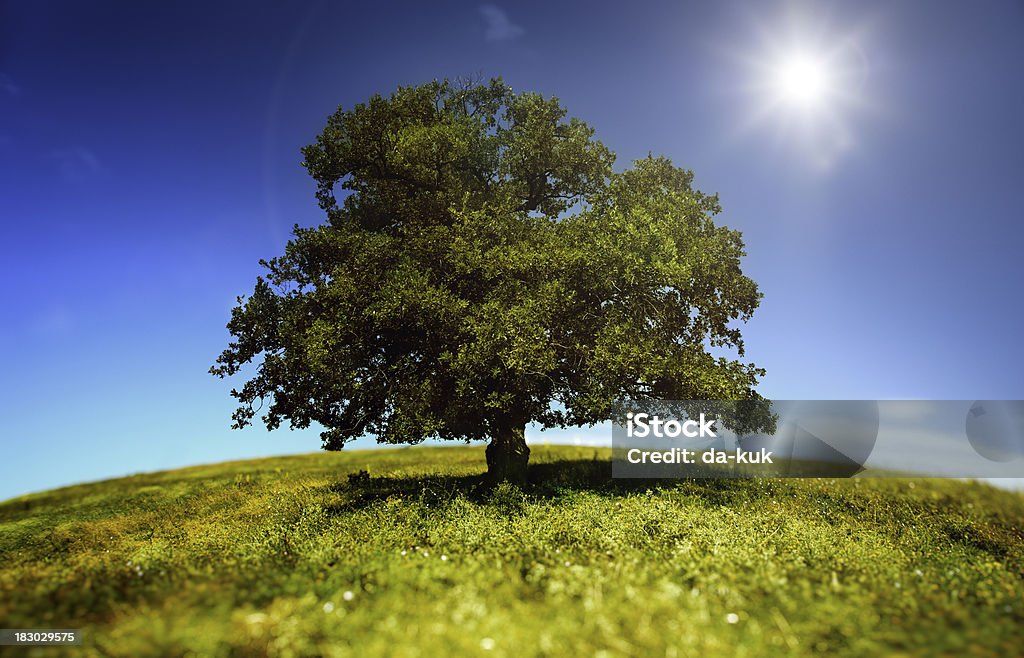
293, 557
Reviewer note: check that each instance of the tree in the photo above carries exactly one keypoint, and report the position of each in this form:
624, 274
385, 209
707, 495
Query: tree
483, 267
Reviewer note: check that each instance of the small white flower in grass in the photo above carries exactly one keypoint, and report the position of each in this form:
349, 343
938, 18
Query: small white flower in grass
567, 563
487, 644
732, 618
348, 595
426, 553
444, 558
328, 607
918, 572
403, 552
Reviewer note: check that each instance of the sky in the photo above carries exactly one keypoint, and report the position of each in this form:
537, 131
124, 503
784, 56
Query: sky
150, 157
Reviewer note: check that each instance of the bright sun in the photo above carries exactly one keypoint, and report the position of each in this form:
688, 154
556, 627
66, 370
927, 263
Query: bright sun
801, 81
803, 84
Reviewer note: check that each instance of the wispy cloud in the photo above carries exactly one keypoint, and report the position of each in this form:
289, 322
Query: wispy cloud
77, 165
497, 26
7, 86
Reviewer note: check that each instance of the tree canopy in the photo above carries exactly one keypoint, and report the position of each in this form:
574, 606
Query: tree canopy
481, 267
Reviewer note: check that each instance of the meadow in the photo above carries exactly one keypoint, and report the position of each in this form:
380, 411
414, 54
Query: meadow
409, 552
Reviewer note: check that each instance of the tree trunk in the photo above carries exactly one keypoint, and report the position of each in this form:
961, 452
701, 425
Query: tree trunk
508, 455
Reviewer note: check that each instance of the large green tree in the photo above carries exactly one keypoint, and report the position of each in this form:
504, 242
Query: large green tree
482, 267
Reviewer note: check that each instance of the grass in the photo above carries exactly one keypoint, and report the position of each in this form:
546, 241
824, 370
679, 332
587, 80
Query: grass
305, 556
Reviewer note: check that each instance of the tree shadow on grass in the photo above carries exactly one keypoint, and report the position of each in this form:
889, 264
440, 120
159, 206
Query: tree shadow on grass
555, 479
545, 481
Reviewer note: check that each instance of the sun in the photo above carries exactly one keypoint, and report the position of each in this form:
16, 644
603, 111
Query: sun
801, 81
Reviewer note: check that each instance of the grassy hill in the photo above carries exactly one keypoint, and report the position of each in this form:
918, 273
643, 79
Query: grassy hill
298, 556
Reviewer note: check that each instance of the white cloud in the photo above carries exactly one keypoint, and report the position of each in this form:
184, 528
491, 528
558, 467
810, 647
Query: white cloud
497, 26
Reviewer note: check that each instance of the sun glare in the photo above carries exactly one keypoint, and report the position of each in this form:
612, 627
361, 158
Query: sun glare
802, 81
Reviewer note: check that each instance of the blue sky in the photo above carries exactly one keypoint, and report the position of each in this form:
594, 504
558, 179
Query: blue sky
150, 157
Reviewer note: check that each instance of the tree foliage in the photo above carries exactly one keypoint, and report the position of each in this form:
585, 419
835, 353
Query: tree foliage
482, 266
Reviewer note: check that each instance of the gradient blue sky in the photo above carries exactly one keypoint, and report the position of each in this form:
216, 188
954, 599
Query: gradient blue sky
150, 157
